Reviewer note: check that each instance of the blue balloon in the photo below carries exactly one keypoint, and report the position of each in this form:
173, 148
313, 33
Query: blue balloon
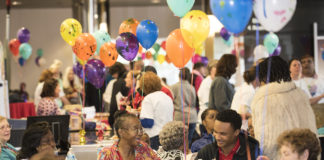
21, 61
25, 50
147, 32
233, 14
101, 38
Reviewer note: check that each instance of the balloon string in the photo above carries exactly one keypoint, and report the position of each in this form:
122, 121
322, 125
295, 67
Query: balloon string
257, 34
264, 9
183, 117
133, 88
83, 92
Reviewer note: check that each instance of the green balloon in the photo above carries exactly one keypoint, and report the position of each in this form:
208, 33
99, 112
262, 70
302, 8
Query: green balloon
271, 42
180, 7
155, 55
25, 50
156, 47
39, 52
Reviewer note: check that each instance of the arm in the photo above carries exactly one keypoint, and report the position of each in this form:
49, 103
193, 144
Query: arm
314, 100
218, 95
147, 113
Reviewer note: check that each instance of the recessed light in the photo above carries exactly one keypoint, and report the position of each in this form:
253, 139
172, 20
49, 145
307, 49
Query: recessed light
155, 1
16, 3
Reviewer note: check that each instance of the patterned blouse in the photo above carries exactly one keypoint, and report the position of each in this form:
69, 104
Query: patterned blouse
47, 107
142, 152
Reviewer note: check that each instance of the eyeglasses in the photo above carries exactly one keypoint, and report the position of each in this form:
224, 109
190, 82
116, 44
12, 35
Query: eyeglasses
5, 127
137, 130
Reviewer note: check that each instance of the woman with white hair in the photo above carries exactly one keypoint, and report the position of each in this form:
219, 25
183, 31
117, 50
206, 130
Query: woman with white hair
71, 86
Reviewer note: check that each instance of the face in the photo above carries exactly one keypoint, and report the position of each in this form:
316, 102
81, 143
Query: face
224, 134
132, 131
213, 71
286, 153
295, 67
4, 131
307, 65
203, 71
47, 142
129, 80
57, 91
71, 75
209, 121
56, 73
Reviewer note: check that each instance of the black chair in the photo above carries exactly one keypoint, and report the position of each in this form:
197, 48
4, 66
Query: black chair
18, 128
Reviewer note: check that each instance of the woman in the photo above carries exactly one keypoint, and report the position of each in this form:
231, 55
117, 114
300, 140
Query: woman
286, 107
46, 74
221, 91
36, 139
8, 151
129, 147
172, 141
50, 92
185, 95
157, 107
127, 102
71, 86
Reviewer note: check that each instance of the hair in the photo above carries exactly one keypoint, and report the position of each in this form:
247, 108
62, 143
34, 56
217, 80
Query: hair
293, 59
212, 64
117, 68
139, 63
49, 88
226, 66
171, 136
250, 75
46, 74
306, 56
76, 82
198, 65
279, 70
120, 119
150, 83
134, 73
230, 116
164, 80
185, 74
57, 64
149, 69
205, 112
32, 138
2, 118
300, 140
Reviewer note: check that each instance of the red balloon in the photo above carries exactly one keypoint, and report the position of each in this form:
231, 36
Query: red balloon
85, 46
14, 46
177, 49
163, 45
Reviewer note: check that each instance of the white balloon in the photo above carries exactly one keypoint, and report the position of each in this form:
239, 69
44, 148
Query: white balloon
260, 52
274, 14
42, 61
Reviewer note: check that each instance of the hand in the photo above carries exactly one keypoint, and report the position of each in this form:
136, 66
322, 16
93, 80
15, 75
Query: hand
263, 158
74, 95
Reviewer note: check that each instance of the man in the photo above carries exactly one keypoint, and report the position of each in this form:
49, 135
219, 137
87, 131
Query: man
314, 83
230, 143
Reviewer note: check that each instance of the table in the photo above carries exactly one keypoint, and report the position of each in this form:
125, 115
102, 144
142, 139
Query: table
20, 110
89, 151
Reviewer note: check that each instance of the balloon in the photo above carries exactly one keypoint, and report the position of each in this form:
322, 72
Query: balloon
108, 54
101, 38
167, 59
229, 42
25, 50
41, 61
82, 62
277, 51
78, 70
21, 61
160, 58
180, 7
204, 60
37, 60
200, 49
322, 56
194, 28
155, 55
148, 55
143, 56
233, 14
127, 45
23, 35
147, 32
156, 47
274, 15
224, 33
260, 52
271, 42
128, 25
39, 52
85, 46
163, 44
178, 51
14, 46
95, 71
196, 58
70, 30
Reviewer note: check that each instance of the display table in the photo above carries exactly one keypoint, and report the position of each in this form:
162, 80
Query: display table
21, 110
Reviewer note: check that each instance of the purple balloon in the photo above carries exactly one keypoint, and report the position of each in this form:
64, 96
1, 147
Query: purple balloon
204, 60
95, 71
78, 70
23, 35
37, 60
277, 51
224, 33
127, 45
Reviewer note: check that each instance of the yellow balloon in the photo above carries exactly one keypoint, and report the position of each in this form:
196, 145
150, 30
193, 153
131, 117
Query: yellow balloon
82, 62
200, 49
160, 58
70, 30
195, 28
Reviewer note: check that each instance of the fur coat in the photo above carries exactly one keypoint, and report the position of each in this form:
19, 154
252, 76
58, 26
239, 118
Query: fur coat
287, 107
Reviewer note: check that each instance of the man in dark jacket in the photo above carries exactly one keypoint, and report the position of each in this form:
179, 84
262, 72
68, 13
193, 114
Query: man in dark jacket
230, 143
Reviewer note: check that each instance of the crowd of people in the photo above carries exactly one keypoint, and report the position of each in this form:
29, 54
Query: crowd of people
202, 116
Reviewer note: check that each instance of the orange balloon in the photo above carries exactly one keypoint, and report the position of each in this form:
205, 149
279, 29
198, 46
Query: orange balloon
85, 46
108, 54
129, 25
148, 55
167, 59
178, 51
140, 48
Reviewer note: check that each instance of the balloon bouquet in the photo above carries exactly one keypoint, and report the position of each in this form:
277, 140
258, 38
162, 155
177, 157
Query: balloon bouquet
19, 47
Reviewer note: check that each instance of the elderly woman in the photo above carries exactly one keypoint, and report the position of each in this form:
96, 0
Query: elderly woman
221, 91
157, 107
172, 141
129, 131
287, 106
8, 151
50, 92
71, 86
